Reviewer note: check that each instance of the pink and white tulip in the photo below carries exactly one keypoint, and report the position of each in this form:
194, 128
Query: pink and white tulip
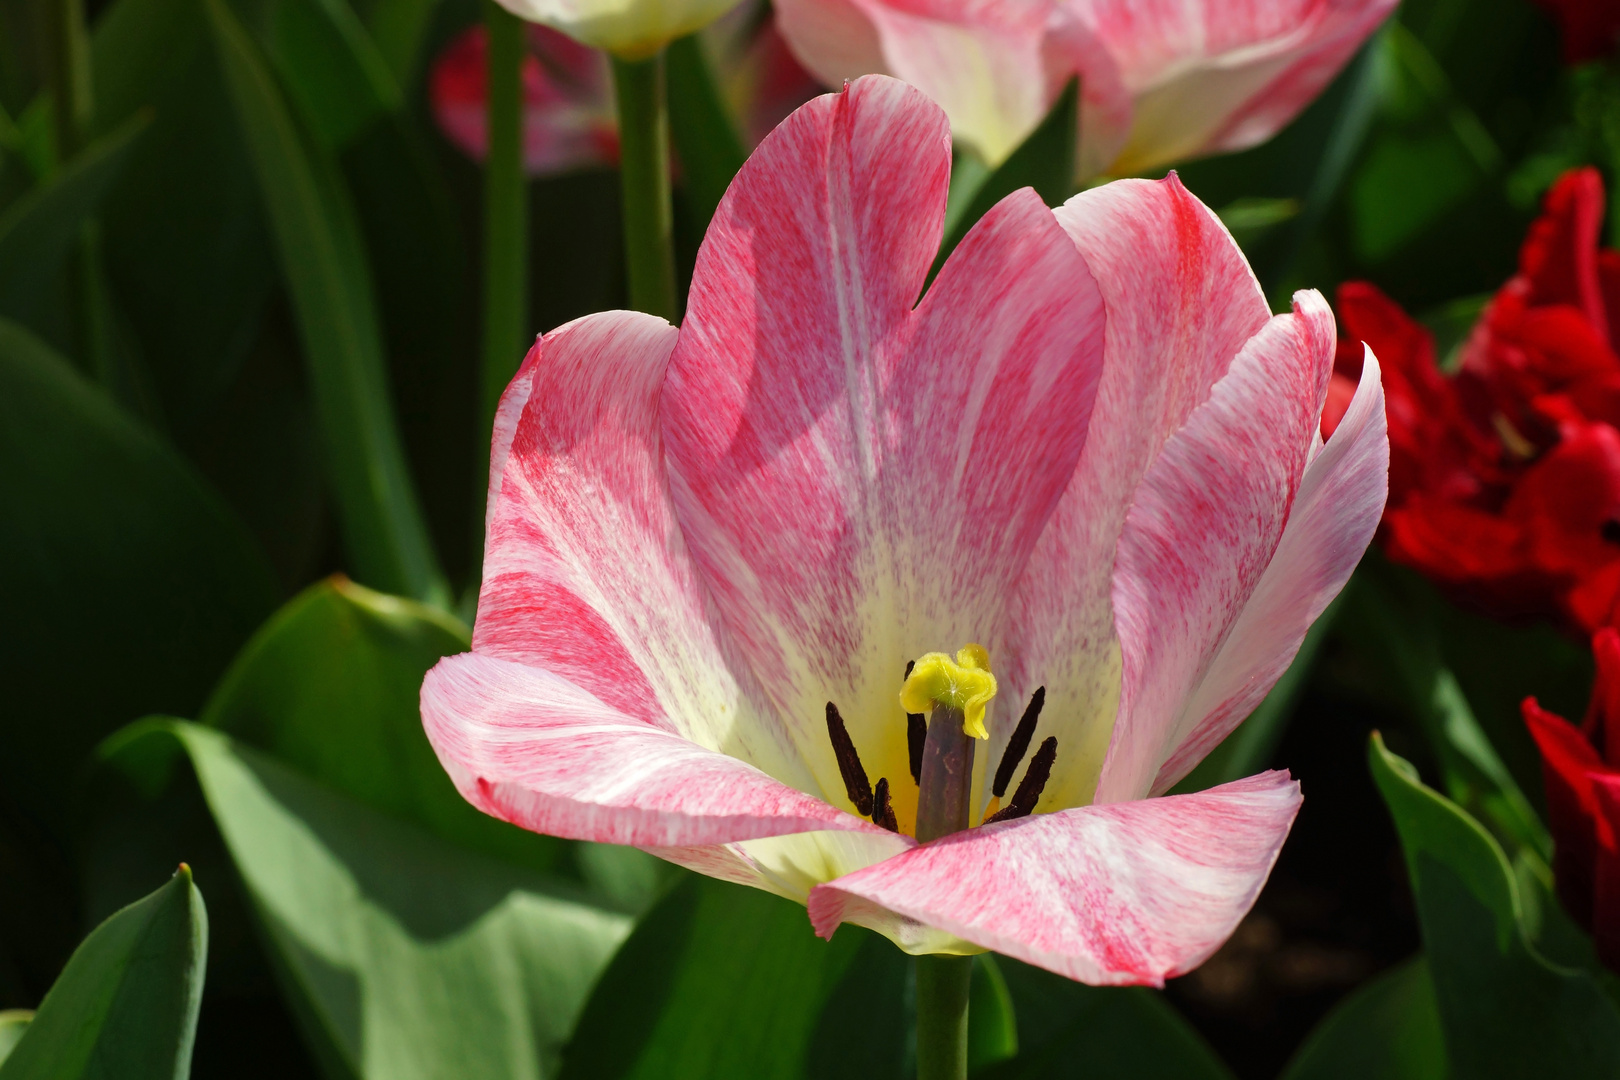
1088, 447
568, 119
1161, 80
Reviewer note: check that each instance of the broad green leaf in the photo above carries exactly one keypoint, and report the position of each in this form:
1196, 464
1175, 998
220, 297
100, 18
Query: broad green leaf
1394, 628
405, 956
324, 263
1506, 1010
1044, 162
125, 1007
1387, 1029
717, 980
701, 130
132, 583
330, 686
13, 1022
1068, 1029
38, 231
1249, 747
185, 244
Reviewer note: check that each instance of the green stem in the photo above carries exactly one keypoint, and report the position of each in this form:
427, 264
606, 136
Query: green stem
649, 219
506, 232
942, 1016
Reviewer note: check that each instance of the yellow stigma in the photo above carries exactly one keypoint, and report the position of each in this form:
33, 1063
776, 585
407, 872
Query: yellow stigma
964, 683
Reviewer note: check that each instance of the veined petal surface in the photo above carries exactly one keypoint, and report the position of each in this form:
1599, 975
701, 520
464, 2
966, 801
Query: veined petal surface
1202, 530
1181, 302
1120, 894
531, 748
585, 572
1334, 516
859, 480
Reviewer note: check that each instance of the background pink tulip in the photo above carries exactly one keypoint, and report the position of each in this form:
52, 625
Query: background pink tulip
1161, 81
1089, 447
568, 120
568, 117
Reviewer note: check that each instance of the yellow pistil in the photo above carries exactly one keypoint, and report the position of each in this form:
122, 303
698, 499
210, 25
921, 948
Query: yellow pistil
964, 683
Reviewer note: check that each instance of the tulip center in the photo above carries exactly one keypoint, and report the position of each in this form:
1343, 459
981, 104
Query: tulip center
945, 702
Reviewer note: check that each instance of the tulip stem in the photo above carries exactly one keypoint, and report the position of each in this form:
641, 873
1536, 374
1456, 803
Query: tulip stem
506, 227
649, 217
942, 1016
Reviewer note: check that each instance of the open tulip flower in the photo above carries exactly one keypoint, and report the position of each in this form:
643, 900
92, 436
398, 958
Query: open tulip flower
911, 609
1161, 81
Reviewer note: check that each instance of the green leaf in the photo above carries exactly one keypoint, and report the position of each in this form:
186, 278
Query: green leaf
404, 956
330, 686
120, 560
324, 263
1507, 1010
1394, 627
125, 1007
13, 1022
717, 980
704, 135
1388, 1028
331, 68
1044, 162
38, 231
399, 28
1068, 1029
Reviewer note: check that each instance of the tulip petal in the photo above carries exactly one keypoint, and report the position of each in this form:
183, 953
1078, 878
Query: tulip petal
1213, 76
859, 481
1332, 521
1203, 530
1119, 894
1181, 303
529, 747
585, 574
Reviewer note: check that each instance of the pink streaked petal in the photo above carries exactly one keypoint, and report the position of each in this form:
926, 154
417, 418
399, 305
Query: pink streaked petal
585, 574
1181, 303
1220, 75
1129, 893
1202, 531
856, 478
1332, 521
982, 61
529, 747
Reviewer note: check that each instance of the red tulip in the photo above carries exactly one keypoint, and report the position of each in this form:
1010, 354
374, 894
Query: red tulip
1581, 766
1505, 477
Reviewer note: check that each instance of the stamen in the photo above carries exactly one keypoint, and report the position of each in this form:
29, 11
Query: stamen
1019, 743
882, 808
916, 739
916, 732
1031, 786
856, 785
